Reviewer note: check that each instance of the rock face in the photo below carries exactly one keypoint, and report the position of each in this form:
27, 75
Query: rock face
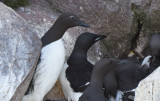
149, 88
128, 23
19, 52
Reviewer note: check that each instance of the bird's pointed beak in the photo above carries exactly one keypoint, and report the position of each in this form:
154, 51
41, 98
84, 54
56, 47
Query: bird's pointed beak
100, 37
83, 24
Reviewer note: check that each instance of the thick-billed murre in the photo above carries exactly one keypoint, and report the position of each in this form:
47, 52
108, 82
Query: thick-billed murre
77, 71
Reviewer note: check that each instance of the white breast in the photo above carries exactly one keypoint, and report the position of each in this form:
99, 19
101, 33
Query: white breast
48, 70
67, 90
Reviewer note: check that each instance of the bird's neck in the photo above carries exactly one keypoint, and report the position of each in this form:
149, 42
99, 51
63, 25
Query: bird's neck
97, 80
97, 84
98, 75
77, 55
53, 34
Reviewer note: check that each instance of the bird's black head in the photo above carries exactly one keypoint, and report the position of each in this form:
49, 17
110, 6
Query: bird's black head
64, 21
155, 45
103, 66
82, 45
86, 40
69, 20
101, 69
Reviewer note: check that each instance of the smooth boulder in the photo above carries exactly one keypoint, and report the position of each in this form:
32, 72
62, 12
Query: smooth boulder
19, 52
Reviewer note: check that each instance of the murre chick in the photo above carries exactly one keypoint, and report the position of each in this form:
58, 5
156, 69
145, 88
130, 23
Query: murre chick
52, 57
77, 71
94, 91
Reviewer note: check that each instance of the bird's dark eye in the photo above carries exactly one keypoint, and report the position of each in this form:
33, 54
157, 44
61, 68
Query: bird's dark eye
71, 17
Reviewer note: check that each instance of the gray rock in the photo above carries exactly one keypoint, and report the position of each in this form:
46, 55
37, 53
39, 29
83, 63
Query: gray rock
128, 23
19, 52
149, 88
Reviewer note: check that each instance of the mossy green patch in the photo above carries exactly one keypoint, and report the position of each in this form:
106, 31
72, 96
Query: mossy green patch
15, 3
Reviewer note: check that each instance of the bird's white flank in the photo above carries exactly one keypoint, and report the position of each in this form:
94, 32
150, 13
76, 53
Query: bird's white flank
48, 70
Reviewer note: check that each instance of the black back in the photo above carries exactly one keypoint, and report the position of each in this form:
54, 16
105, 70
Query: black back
129, 75
79, 74
95, 90
79, 71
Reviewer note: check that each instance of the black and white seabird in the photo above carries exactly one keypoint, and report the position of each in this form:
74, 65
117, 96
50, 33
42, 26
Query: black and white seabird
77, 71
123, 79
94, 91
52, 57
